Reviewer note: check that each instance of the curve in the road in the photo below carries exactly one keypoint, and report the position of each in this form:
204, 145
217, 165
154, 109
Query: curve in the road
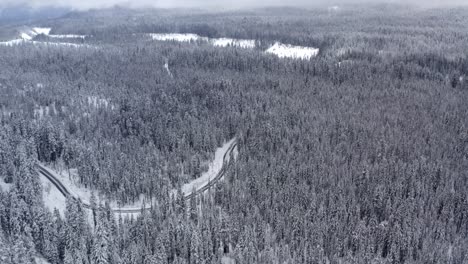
59, 185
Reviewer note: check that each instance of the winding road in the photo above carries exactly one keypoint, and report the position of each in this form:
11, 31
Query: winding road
61, 187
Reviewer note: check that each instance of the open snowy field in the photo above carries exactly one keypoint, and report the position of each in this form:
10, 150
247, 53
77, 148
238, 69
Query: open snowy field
218, 42
295, 52
27, 36
279, 49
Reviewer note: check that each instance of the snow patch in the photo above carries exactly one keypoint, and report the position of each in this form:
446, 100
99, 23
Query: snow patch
27, 36
52, 197
30, 34
16, 42
166, 66
235, 153
295, 52
242, 43
227, 260
68, 36
5, 186
41, 30
40, 260
218, 42
177, 37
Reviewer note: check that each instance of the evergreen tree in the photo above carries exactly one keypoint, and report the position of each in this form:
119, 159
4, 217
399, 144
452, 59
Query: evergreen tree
100, 249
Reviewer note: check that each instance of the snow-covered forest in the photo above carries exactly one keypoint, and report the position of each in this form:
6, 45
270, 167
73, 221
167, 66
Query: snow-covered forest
323, 135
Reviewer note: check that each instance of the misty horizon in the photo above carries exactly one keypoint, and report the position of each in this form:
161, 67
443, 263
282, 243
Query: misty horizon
90, 4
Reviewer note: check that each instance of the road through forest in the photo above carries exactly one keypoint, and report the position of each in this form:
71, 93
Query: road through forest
63, 189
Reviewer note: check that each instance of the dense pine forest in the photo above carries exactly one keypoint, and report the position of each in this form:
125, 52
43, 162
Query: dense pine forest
357, 155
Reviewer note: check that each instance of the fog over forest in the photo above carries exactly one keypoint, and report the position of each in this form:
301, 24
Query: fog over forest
86, 4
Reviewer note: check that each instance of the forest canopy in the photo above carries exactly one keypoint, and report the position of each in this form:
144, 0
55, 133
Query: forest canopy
356, 155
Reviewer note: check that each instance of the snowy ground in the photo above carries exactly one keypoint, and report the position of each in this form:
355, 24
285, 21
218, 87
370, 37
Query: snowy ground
4, 186
40, 260
51, 196
218, 42
242, 43
177, 37
30, 34
27, 35
295, 52
68, 36
54, 199
279, 49
227, 260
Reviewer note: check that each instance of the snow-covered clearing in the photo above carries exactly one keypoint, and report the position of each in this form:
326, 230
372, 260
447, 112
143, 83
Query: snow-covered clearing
177, 37
295, 52
218, 42
40, 30
279, 49
30, 34
27, 36
242, 43
54, 199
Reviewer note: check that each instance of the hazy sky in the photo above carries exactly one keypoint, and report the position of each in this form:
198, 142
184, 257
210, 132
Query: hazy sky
85, 4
